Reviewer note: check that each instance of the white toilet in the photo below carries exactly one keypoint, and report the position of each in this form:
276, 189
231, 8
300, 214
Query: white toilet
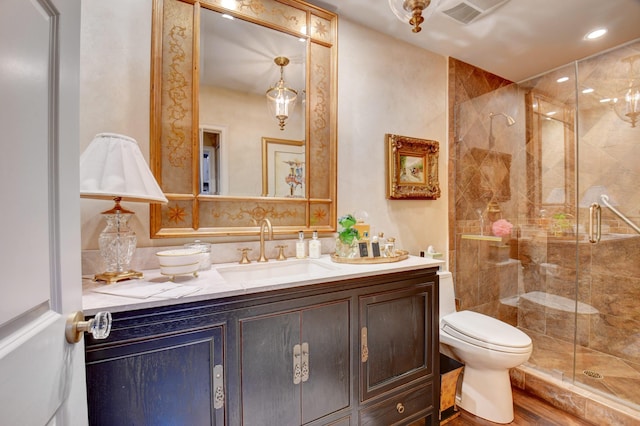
488, 348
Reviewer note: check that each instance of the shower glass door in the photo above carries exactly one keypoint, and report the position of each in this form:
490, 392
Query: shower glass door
608, 274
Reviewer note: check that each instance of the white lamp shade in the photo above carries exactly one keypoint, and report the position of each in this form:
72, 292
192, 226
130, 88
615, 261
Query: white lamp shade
113, 166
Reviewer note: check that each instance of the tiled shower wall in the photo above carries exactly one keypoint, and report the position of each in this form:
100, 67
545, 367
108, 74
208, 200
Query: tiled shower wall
482, 153
481, 150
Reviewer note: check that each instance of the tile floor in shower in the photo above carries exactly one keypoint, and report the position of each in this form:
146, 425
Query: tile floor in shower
604, 373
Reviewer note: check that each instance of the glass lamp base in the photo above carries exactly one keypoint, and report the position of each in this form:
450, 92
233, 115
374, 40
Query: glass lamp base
117, 244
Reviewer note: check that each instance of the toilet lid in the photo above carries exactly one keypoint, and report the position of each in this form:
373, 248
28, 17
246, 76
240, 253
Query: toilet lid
485, 331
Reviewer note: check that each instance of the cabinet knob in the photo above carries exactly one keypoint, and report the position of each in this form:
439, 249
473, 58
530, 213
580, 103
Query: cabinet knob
400, 407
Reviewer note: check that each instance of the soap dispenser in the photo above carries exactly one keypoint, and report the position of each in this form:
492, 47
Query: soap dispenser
315, 246
300, 250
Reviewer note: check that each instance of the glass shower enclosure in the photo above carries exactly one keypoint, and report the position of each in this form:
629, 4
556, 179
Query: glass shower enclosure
558, 157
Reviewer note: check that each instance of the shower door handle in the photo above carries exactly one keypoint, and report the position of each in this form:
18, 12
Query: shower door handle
595, 219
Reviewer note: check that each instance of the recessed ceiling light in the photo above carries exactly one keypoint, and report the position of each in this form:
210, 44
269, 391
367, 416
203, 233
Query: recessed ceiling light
604, 100
587, 90
550, 113
562, 79
592, 35
226, 16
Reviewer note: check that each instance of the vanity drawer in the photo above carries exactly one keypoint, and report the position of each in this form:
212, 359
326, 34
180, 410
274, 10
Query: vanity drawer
400, 408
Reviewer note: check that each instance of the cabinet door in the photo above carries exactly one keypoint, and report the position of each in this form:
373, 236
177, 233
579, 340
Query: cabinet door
269, 395
160, 381
295, 365
325, 329
396, 338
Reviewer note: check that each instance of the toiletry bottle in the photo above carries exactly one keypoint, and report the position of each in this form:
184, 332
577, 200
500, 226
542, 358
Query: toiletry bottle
300, 250
315, 246
390, 250
362, 228
383, 244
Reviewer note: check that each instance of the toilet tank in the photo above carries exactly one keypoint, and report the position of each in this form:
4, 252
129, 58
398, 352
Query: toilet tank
447, 293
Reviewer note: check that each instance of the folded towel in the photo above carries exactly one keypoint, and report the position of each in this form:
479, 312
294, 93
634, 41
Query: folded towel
144, 290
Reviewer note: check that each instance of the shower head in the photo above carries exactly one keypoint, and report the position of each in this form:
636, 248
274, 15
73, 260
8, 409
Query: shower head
510, 120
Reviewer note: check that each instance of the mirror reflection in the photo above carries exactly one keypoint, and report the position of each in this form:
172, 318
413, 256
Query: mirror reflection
237, 67
552, 135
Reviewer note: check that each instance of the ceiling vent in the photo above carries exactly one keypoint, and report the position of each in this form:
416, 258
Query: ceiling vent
467, 11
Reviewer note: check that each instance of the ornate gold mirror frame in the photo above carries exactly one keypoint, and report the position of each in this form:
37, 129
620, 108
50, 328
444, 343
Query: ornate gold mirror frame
174, 152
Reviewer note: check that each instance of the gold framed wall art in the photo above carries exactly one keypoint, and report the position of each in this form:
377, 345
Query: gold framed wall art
412, 168
283, 168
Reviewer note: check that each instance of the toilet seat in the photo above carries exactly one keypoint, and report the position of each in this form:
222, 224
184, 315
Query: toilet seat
485, 331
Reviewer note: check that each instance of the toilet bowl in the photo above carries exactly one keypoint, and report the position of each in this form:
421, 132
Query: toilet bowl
489, 348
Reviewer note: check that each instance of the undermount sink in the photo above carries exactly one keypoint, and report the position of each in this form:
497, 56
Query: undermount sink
287, 271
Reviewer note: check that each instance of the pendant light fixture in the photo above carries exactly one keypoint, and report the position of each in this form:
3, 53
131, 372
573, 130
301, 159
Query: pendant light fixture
627, 105
281, 99
413, 11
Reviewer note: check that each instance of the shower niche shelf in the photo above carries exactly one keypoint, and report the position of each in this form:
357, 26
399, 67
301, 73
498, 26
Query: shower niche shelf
481, 237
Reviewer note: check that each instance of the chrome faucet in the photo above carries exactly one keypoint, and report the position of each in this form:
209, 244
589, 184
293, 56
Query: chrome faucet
264, 222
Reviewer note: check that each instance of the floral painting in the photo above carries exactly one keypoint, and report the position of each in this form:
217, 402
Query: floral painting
283, 168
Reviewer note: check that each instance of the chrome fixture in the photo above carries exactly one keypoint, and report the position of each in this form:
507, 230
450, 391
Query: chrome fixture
264, 223
605, 200
593, 194
627, 106
413, 11
510, 120
280, 98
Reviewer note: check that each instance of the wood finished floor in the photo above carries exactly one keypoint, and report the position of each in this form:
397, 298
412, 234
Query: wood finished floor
528, 411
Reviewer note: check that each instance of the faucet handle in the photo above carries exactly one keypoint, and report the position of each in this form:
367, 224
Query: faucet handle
245, 255
281, 255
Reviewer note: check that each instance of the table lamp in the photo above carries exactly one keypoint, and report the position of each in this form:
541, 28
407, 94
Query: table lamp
113, 168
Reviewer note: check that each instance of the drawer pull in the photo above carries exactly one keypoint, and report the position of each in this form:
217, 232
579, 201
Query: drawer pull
305, 362
297, 370
218, 385
364, 350
400, 407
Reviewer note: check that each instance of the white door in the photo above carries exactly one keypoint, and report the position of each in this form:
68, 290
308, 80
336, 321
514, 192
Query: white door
41, 375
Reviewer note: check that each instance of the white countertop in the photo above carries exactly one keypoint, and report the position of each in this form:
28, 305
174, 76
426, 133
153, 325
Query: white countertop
156, 290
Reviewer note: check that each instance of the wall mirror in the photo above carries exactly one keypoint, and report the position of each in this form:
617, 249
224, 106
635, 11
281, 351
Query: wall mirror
551, 155
217, 151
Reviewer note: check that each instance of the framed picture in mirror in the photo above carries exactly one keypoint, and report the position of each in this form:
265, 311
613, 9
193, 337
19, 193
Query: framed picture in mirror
283, 168
412, 168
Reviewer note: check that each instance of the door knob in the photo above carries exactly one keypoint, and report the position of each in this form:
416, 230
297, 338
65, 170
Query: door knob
99, 326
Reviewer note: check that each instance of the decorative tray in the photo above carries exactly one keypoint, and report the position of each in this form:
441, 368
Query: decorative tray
400, 255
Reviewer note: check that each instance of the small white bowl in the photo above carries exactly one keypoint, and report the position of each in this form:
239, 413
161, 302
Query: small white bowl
179, 257
179, 270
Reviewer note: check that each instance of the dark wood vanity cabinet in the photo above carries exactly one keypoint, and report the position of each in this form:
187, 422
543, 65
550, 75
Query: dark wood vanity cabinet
359, 351
397, 347
173, 378
295, 365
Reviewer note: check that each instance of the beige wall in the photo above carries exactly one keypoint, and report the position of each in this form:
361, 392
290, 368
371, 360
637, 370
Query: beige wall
387, 86
384, 86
